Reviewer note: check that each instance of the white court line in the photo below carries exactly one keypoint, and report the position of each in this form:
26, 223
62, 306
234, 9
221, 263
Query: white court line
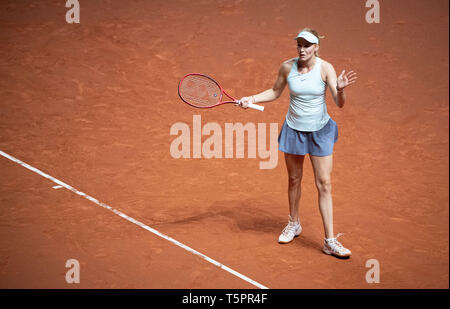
142, 225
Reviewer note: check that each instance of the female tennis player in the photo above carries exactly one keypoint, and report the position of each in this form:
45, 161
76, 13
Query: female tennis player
308, 129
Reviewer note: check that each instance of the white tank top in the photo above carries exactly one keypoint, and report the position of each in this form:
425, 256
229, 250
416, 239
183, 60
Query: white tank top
307, 108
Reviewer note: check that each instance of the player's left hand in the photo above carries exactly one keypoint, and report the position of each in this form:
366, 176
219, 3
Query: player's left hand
346, 79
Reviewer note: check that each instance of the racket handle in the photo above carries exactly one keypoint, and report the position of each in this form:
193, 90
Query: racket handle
256, 106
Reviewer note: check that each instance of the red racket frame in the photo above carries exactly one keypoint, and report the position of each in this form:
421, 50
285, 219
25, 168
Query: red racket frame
222, 92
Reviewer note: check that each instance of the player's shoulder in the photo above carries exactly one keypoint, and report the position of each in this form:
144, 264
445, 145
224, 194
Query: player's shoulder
287, 65
326, 65
289, 62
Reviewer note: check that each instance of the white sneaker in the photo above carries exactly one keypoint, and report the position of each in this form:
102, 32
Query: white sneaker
293, 229
333, 247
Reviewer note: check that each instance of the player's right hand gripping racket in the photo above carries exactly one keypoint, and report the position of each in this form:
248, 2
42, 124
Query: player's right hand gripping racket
201, 91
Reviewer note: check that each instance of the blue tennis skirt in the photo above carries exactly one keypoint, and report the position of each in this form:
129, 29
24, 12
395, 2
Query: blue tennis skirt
318, 143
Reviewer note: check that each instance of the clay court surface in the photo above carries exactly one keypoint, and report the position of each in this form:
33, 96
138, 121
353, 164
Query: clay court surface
92, 104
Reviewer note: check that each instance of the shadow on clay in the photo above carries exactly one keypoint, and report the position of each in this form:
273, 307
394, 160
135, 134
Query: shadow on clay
249, 215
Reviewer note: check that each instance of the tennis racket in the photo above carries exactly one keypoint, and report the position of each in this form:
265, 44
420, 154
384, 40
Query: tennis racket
202, 91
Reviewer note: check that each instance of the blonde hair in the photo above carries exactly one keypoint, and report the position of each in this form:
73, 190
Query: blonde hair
310, 30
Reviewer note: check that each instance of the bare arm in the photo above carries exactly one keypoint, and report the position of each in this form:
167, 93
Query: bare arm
270, 94
337, 84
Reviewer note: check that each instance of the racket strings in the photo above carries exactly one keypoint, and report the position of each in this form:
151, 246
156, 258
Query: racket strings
200, 91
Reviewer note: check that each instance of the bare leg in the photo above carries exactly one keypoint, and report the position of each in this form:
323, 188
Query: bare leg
294, 164
322, 173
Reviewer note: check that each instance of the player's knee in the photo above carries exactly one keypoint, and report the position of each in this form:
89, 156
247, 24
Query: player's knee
324, 185
295, 179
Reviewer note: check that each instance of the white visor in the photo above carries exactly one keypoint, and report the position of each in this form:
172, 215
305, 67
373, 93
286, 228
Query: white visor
311, 38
